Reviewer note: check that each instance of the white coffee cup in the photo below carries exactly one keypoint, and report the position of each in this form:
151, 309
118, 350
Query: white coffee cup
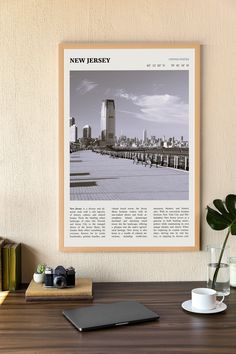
205, 299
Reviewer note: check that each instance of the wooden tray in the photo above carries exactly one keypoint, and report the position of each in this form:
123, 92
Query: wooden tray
38, 292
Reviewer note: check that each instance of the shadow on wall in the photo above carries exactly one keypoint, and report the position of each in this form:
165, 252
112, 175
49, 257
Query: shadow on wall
29, 259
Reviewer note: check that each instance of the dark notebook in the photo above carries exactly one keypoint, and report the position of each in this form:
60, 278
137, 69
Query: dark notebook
109, 315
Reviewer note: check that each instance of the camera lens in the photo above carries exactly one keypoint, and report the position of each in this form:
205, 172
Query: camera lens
59, 282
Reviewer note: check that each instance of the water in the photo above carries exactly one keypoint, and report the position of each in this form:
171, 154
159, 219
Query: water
222, 285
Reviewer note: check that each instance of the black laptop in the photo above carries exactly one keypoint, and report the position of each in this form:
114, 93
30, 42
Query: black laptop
109, 315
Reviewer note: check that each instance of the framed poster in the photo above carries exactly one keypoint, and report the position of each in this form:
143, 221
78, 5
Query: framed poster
129, 147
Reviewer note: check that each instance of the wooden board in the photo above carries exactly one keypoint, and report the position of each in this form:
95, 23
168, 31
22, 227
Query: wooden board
38, 292
41, 328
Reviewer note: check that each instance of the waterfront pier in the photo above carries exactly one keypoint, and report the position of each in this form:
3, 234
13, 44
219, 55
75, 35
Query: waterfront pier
99, 175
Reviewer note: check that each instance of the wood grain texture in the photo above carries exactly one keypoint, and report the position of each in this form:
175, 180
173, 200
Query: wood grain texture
38, 292
30, 34
41, 328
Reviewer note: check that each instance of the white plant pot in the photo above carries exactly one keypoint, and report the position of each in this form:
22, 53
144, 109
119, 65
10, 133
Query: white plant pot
38, 277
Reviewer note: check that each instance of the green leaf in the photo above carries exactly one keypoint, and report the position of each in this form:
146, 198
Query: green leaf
230, 202
233, 228
216, 220
219, 204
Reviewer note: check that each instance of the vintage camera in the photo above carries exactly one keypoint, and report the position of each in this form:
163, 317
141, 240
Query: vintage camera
59, 277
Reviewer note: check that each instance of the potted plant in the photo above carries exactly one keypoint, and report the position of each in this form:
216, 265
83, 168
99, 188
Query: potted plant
39, 274
221, 218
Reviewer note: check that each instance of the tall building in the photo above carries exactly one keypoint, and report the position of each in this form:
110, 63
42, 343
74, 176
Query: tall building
87, 132
73, 133
72, 121
73, 130
108, 122
145, 136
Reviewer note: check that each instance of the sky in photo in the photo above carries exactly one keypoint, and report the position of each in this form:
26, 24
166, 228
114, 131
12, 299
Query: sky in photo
153, 100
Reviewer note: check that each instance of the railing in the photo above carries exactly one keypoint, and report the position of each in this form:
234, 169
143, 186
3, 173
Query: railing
173, 157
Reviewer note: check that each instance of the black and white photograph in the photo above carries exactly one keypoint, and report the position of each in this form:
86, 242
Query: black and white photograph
129, 147
129, 135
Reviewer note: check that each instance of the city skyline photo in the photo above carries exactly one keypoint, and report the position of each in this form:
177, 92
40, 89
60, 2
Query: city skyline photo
157, 101
129, 135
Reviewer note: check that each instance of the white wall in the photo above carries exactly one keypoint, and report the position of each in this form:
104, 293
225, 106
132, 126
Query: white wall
30, 33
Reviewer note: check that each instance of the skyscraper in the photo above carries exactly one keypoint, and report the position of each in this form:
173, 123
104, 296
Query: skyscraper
145, 136
73, 133
87, 132
73, 130
72, 121
108, 122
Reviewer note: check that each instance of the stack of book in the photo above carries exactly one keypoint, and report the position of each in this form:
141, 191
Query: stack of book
10, 265
83, 290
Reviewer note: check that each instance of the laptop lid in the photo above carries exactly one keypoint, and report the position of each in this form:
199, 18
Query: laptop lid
109, 315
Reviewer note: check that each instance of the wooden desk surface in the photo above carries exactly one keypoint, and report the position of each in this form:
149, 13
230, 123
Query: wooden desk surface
41, 328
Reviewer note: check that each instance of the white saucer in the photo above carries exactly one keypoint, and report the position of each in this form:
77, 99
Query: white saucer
187, 305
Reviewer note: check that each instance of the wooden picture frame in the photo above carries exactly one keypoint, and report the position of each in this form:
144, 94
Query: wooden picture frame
126, 61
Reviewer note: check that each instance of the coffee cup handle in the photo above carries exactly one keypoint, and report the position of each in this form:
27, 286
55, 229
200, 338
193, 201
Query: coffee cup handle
220, 302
